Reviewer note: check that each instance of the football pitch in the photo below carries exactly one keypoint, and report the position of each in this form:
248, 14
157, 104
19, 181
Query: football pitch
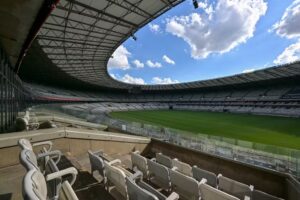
278, 131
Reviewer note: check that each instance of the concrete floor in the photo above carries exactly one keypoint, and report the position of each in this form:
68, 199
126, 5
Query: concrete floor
11, 182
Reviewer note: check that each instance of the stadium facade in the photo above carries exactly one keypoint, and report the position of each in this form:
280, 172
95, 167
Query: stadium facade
57, 52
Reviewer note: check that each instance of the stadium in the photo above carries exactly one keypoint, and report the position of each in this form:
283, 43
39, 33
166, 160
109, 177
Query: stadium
71, 130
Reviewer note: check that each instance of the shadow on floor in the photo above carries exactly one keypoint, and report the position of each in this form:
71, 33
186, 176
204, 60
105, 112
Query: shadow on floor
85, 186
7, 196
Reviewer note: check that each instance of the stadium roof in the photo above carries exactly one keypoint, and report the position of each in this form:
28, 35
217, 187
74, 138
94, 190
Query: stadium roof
80, 36
76, 41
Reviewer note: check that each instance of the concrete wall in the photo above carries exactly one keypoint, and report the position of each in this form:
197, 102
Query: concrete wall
75, 141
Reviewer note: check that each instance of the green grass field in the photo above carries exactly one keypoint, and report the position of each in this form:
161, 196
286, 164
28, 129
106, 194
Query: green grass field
278, 131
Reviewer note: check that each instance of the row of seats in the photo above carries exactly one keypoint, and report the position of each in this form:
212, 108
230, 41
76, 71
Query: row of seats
130, 186
43, 180
193, 182
272, 93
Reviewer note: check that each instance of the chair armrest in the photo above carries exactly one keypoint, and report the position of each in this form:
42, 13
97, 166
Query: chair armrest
68, 191
137, 152
247, 198
69, 171
45, 143
174, 168
99, 152
137, 174
203, 181
173, 196
113, 162
53, 154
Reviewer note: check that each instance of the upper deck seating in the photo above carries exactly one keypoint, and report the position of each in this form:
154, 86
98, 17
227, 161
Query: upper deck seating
235, 188
159, 175
164, 160
199, 174
182, 167
187, 187
139, 163
210, 193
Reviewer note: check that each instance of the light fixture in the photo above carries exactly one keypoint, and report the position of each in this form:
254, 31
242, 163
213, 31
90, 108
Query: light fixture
134, 37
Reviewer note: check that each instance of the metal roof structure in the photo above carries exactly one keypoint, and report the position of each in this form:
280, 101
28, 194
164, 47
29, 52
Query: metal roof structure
16, 20
79, 37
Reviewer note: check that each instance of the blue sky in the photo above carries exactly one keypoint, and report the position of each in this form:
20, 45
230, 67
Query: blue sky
220, 38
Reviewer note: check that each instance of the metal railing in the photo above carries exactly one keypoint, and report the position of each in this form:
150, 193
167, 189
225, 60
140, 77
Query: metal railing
12, 94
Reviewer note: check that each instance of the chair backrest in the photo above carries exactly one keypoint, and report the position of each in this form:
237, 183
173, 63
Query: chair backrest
159, 175
140, 163
182, 167
210, 193
135, 192
199, 174
34, 186
25, 144
97, 163
235, 188
28, 159
259, 195
117, 177
164, 160
152, 190
187, 187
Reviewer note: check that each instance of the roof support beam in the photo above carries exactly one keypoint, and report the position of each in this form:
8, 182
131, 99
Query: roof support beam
85, 6
83, 23
131, 7
76, 33
60, 39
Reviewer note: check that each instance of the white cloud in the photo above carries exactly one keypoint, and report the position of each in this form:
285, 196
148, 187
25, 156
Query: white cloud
220, 28
158, 80
288, 26
168, 60
138, 64
133, 80
120, 59
248, 70
290, 54
154, 27
113, 76
153, 64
